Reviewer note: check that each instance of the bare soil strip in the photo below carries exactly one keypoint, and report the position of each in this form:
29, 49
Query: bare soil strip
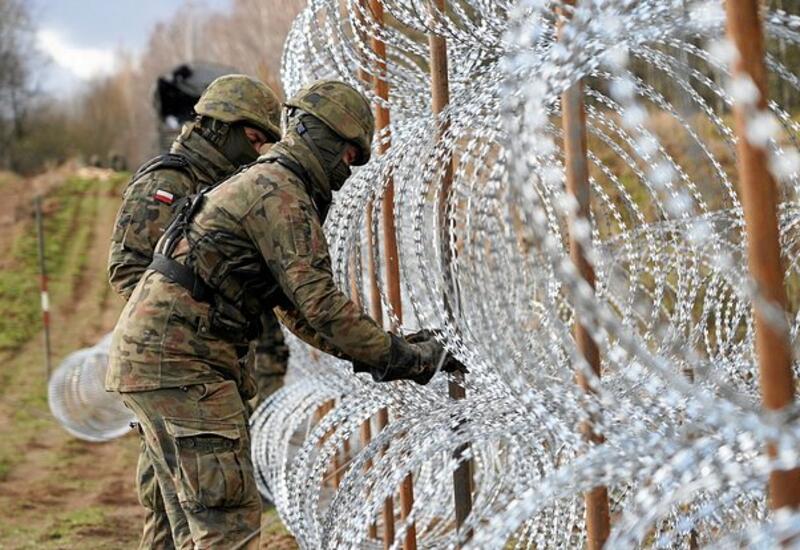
57, 491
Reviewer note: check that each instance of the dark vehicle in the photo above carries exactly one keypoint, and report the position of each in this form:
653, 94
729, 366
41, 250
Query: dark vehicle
176, 93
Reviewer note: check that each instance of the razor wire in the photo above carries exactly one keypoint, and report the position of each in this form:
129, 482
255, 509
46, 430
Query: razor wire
678, 405
78, 399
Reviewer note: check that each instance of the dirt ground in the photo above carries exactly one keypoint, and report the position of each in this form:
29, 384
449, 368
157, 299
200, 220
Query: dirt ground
57, 491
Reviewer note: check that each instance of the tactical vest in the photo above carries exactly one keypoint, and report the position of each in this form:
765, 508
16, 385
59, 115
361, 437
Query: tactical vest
229, 320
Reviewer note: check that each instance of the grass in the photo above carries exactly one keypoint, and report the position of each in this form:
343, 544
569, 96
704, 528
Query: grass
5, 467
69, 211
69, 218
68, 529
55, 489
7, 177
71, 523
20, 313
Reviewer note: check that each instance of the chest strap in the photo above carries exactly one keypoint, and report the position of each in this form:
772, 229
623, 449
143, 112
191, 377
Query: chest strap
167, 161
182, 275
221, 323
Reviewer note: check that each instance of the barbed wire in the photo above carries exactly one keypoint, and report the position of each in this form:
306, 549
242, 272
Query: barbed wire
678, 405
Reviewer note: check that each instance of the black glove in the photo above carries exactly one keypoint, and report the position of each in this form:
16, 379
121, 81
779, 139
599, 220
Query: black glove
413, 361
406, 361
415, 357
451, 364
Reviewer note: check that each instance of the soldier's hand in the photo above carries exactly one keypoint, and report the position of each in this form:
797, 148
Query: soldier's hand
406, 362
409, 361
451, 364
416, 357
420, 336
412, 361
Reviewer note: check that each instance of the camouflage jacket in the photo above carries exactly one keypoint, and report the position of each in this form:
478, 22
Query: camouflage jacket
148, 203
258, 241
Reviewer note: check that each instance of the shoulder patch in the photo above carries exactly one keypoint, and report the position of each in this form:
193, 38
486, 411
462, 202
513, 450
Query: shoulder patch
164, 196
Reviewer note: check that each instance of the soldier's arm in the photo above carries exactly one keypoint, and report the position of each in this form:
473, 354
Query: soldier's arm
146, 209
286, 228
298, 325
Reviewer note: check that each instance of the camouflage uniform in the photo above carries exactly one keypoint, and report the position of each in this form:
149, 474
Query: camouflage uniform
141, 221
257, 241
197, 440
144, 214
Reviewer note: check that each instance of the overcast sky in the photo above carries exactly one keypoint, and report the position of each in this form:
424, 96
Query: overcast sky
81, 36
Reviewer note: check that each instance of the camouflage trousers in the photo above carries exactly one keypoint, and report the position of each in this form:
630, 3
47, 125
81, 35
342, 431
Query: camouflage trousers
157, 533
196, 473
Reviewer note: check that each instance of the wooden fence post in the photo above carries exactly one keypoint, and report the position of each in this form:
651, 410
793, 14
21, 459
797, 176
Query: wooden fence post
573, 121
759, 195
440, 99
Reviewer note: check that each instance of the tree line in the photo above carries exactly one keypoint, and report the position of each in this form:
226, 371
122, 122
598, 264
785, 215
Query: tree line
114, 114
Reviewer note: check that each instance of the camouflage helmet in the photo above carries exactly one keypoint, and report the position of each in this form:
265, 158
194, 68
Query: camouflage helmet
343, 109
240, 98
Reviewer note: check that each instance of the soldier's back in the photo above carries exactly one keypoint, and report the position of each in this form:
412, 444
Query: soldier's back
165, 337
147, 207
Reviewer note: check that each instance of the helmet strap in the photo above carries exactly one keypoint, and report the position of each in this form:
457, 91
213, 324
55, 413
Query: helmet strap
214, 130
228, 139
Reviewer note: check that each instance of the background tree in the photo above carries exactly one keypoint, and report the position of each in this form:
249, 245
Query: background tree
17, 54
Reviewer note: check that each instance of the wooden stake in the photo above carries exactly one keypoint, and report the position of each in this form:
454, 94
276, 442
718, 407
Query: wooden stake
388, 506
365, 433
759, 195
573, 120
382, 121
365, 436
323, 409
440, 98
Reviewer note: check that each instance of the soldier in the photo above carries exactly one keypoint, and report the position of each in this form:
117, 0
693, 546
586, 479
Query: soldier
236, 116
253, 243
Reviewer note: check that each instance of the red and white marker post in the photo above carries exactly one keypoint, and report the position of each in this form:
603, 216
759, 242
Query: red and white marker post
43, 283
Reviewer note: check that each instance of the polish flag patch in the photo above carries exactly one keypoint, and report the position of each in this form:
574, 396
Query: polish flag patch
164, 196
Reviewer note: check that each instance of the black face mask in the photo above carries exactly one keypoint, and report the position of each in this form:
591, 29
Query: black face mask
339, 175
229, 139
329, 147
237, 148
